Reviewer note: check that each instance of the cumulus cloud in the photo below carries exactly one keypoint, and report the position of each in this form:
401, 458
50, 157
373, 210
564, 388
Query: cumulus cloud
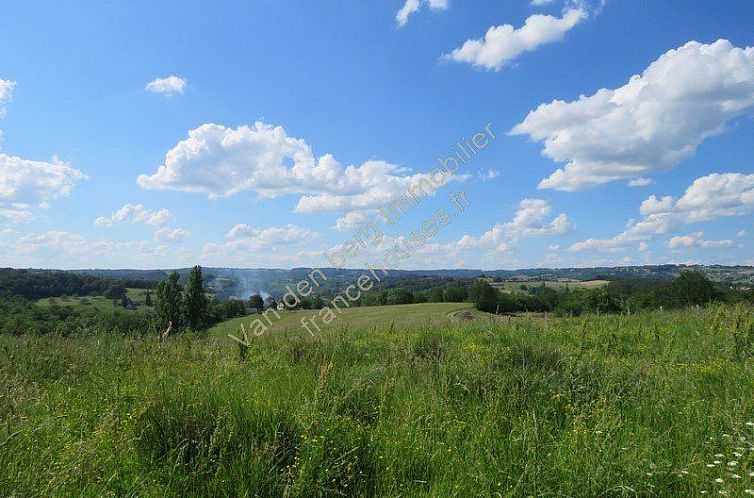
651, 123
412, 6
167, 86
133, 214
540, 3
70, 250
219, 162
741, 233
696, 240
533, 218
502, 44
287, 244
170, 234
352, 221
710, 197
25, 183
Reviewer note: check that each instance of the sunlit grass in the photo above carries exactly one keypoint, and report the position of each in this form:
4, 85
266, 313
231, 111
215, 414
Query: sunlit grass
659, 404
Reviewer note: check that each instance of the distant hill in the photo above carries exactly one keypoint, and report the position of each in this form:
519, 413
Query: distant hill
243, 282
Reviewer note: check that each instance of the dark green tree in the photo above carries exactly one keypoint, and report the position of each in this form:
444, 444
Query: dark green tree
692, 287
195, 301
257, 302
169, 307
484, 296
148, 299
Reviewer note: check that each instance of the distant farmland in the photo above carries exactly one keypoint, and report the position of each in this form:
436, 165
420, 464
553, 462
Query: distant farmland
512, 286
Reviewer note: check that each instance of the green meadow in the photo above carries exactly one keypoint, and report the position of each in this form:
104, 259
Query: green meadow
97, 303
388, 402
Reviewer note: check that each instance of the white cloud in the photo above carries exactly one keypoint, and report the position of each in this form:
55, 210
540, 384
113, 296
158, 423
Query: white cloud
220, 161
532, 219
717, 195
170, 234
502, 44
651, 123
696, 240
289, 244
741, 233
135, 213
275, 235
352, 221
540, 3
167, 86
490, 174
412, 6
6, 92
25, 183
70, 250
6, 89
640, 182
408, 8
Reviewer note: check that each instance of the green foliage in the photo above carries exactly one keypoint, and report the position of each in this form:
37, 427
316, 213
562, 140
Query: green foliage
169, 307
585, 406
256, 301
401, 295
484, 296
195, 301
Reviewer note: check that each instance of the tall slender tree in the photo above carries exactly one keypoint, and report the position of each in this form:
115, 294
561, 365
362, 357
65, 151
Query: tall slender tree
169, 307
195, 301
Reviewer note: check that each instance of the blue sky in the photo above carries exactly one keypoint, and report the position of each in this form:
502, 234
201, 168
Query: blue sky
281, 126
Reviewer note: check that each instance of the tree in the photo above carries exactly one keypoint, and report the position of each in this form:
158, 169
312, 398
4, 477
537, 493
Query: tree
115, 292
148, 299
484, 296
195, 301
257, 302
401, 295
692, 287
169, 307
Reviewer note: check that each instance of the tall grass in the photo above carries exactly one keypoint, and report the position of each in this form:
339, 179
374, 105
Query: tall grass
592, 406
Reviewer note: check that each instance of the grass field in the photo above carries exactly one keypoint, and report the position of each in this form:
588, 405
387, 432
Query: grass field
557, 285
655, 405
98, 303
427, 315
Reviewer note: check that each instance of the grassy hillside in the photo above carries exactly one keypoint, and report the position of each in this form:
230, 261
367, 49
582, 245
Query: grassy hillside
553, 284
98, 303
660, 404
428, 314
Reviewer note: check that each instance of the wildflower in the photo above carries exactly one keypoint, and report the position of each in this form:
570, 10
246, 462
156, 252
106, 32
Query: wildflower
719, 480
719, 455
710, 465
749, 491
750, 424
717, 462
735, 476
732, 464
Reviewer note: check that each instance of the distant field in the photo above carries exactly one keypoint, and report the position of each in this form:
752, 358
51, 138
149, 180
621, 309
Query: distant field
98, 303
432, 314
557, 285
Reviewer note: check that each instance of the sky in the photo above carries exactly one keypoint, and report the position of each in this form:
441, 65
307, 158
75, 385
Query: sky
269, 133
